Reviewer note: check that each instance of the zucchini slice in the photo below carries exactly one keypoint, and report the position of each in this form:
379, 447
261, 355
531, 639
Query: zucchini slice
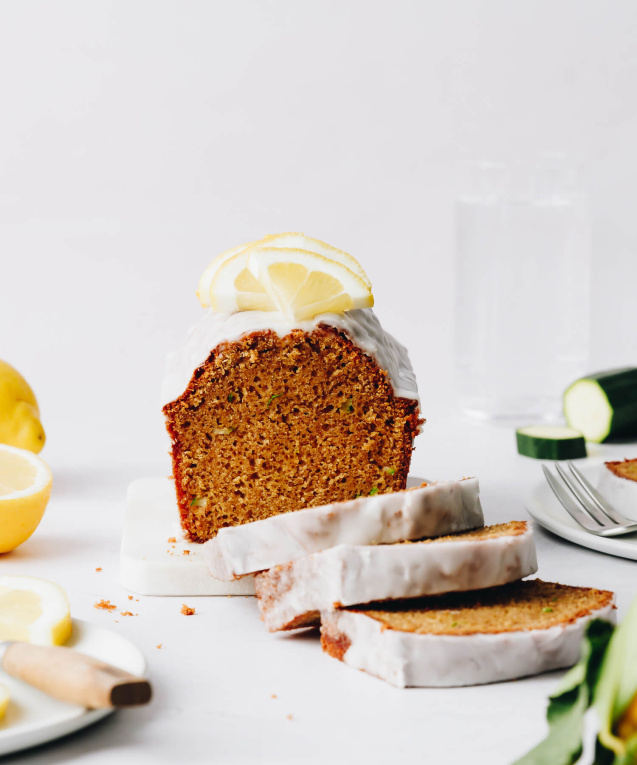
603, 405
550, 442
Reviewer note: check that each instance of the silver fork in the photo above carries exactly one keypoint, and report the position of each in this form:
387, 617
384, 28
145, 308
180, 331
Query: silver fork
585, 504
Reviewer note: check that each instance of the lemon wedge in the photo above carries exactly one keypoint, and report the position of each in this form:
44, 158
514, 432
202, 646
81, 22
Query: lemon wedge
25, 488
4, 700
291, 273
34, 611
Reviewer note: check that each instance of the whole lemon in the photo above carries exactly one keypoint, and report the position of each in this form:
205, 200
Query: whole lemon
19, 413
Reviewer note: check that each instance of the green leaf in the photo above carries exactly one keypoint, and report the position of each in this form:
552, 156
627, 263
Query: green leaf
618, 684
374, 490
568, 705
272, 397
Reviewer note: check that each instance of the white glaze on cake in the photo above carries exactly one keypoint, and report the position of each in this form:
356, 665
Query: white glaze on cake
427, 511
351, 575
361, 326
620, 492
419, 660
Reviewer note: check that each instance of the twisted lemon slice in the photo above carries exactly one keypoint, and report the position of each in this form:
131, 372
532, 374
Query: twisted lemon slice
290, 273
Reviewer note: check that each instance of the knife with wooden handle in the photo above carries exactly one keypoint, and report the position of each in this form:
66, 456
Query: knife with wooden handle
74, 677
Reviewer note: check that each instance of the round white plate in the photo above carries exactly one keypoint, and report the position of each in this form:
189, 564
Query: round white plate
33, 718
546, 509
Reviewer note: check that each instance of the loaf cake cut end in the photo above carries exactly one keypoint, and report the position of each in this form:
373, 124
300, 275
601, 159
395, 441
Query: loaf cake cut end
271, 424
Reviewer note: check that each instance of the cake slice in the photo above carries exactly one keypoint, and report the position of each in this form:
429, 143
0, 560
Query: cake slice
617, 483
624, 469
468, 638
426, 511
293, 595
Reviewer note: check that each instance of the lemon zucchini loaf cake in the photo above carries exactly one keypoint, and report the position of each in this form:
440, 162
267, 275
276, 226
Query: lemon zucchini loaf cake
468, 638
429, 510
288, 393
293, 595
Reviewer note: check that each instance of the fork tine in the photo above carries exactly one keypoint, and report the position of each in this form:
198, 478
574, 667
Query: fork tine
583, 500
569, 503
604, 505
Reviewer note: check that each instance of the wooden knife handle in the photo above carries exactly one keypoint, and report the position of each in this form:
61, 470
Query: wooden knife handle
74, 677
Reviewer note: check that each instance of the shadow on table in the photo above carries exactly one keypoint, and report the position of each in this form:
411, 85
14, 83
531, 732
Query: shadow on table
118, 731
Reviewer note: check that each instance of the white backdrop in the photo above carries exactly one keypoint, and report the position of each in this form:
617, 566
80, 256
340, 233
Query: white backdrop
139, 139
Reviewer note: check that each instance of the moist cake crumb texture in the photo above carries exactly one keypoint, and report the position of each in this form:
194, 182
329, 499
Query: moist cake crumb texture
525, 605
624, 469
273, 424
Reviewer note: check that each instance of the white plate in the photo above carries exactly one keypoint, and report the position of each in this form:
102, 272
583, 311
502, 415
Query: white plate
34, 718
544, 506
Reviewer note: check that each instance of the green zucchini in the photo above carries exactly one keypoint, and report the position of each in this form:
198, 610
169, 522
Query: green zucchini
603, 405
550, 442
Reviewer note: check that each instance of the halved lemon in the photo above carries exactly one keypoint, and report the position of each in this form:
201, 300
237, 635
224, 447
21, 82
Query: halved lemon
236, 280
4, 700
25, 488
33, 611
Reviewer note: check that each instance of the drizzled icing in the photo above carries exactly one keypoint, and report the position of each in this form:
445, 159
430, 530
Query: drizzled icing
361, 325
351, 574
413, 659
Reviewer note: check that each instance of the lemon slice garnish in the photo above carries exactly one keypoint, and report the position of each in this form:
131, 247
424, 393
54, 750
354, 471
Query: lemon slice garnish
34, 611
25, 488
205, 282
302, 242
4, 700
290, 273
304, 284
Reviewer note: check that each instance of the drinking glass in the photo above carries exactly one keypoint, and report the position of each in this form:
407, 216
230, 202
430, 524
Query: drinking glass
522, 299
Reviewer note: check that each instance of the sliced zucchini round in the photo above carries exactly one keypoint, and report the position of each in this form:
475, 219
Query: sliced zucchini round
603, 405
550, 442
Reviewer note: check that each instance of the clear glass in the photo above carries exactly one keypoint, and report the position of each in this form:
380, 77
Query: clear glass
522, 300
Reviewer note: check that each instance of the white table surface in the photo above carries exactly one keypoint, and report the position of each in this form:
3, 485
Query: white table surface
217, 672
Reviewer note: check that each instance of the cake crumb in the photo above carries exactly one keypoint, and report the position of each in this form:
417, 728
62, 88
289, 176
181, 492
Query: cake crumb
172, 540
105, 605
130, 597
274, 695
186, 552
186, 610
127, 613
288, 717
98, 569
160, 645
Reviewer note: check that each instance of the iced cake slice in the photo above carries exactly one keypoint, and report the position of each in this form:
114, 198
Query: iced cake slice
468, 638
293, 595
428, 510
